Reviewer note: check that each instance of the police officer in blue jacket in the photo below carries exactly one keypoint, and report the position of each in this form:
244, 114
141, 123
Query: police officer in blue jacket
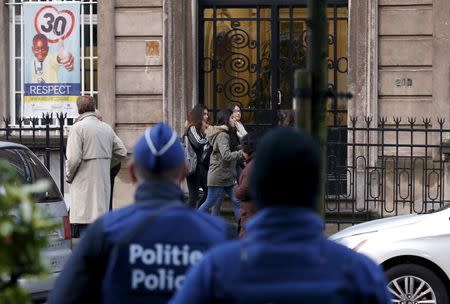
140, 253
285, 257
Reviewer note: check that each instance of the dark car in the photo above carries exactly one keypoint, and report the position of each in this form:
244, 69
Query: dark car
30, 169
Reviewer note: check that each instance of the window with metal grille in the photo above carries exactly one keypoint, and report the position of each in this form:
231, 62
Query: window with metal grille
88, 53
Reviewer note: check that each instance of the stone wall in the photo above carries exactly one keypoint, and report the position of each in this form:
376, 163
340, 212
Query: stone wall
139, 77
405, 86
414, 58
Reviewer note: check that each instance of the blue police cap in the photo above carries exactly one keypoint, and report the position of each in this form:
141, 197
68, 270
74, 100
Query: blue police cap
159, 149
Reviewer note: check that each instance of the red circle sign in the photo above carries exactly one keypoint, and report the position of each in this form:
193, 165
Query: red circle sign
55, 24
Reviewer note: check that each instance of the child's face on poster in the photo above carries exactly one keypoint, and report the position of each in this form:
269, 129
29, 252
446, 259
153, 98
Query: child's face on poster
40, 49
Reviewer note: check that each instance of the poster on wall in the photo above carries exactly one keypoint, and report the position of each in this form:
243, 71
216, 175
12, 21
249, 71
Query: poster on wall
52, 58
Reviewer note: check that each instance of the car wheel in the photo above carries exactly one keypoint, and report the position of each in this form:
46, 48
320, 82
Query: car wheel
414, 284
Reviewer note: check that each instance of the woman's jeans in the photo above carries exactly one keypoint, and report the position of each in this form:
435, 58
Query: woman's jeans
215, 195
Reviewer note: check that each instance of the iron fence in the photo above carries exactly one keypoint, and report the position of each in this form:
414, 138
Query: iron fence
376, 168
383, 168
42, 135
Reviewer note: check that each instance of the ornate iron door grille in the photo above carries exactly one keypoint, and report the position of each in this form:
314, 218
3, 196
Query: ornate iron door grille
250, 49
249, 52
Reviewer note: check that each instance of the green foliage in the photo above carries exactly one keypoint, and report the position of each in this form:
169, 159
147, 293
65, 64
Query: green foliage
23, 233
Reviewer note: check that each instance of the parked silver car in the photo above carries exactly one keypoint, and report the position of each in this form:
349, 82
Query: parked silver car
414, 251
30, 169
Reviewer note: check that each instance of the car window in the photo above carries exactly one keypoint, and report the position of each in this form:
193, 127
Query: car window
16, 160
39, 172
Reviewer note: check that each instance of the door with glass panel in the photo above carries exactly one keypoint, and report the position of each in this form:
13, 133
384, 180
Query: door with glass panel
249, 50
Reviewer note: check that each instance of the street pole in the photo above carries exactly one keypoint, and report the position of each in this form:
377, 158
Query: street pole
302, 100
317, 65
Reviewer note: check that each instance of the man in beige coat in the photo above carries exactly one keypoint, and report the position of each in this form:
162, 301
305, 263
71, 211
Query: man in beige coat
91, 145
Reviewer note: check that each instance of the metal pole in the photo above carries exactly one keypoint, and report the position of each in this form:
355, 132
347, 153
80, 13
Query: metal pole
317, 65
302, 100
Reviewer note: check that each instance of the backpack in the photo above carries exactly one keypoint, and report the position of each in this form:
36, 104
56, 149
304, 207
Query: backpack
191, 156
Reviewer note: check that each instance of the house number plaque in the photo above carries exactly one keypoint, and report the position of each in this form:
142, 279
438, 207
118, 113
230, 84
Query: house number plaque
403, 82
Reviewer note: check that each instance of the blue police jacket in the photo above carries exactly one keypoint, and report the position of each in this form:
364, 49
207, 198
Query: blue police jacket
140, 253
284, 259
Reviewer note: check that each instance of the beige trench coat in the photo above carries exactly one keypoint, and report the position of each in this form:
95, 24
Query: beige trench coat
91, 145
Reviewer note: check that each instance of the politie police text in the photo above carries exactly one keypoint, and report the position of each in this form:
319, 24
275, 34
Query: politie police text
172, 260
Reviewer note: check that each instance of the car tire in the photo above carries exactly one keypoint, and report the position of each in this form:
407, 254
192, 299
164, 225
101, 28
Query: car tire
399, 275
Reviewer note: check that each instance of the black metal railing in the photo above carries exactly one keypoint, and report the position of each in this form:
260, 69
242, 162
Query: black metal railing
383, 168
44, 136
375, 168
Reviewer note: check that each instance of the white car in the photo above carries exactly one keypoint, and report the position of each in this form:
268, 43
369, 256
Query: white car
414, 251
30, 169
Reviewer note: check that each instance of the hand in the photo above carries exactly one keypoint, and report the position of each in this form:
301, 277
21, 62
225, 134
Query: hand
65, 57
68, 63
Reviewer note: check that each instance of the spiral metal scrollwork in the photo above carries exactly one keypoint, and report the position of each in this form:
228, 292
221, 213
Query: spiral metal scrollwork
219, 88
234, 62
234, 89
238, 63
239, 39
330, 64
219, 64
340, 64
331, 39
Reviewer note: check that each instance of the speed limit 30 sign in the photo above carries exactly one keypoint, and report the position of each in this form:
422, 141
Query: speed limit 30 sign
55, 24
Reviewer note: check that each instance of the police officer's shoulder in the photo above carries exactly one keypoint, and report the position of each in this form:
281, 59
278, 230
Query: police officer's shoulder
117, 215
113, 223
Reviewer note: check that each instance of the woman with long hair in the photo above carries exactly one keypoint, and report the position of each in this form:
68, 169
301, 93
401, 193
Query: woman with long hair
196, 124
237, 135
222, 165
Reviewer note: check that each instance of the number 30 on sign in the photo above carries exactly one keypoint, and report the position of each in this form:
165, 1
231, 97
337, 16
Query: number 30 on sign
55, 24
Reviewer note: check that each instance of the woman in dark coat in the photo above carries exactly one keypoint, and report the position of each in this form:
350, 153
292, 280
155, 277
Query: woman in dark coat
196, 125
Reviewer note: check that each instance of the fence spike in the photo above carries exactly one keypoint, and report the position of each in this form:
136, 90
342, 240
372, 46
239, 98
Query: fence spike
411, 120
426, 121
47, 118
7, 120
61, 117
34, 121
397, 120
